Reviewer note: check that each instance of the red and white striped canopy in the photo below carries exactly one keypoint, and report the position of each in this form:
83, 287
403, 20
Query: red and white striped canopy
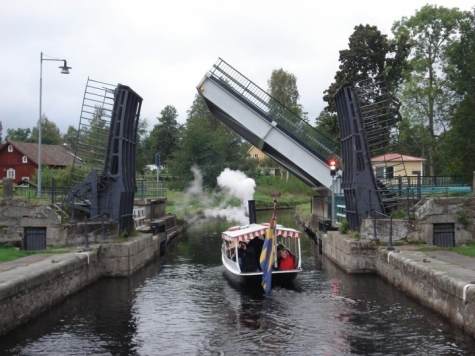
249, 232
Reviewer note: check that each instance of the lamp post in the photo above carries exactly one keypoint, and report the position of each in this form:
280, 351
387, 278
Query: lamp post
64, 70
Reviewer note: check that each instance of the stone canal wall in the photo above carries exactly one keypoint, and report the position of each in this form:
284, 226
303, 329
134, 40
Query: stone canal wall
36, 283
443, 287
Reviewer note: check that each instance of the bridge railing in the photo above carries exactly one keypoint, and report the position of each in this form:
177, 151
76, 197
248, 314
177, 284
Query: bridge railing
406, 191
274, 110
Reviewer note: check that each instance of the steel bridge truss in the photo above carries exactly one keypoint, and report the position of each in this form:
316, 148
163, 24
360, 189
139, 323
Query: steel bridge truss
103, 173
367, 118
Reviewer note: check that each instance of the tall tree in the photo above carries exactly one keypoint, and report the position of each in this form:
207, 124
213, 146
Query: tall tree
164, 137
426, 95
459, 146
141, 152
208, 144
283, 87
369, 54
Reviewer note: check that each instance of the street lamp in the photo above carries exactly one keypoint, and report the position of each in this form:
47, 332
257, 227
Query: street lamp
64, 70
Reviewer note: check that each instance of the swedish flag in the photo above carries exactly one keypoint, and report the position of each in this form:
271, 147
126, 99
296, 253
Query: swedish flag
267, 255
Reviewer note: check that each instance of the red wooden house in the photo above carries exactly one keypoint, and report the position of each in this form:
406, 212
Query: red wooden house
19, 160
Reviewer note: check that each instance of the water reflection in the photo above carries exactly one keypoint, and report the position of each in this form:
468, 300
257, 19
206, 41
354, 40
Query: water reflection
184, 306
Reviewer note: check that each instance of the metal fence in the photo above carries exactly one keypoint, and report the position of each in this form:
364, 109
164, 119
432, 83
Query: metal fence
56, 195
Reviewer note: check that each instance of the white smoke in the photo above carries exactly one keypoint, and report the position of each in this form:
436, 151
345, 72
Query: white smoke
236, 184
233, 185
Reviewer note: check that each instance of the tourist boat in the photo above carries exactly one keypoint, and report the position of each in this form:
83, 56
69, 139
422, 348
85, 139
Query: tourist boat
253, 235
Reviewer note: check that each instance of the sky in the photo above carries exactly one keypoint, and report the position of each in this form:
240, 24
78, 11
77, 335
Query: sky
162, 49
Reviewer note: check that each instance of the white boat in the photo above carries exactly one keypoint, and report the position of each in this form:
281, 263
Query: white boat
253, 235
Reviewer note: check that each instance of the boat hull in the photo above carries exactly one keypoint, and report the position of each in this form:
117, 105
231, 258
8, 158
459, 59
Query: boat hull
279, 278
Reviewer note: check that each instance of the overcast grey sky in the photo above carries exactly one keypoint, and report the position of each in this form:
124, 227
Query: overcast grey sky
162, 49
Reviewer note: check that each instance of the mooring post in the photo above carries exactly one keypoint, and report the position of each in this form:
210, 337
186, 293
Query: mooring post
407, 217
390, 239
86, 236
375, 236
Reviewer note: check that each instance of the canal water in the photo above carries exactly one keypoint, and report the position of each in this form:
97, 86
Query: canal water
183, 305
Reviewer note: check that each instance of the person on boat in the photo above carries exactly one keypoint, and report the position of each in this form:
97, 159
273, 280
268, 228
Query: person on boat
257, 243
280, 247
248, 258
286, 261
240, 253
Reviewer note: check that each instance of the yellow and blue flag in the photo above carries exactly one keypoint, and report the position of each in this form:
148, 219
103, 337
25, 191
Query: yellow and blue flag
267, 255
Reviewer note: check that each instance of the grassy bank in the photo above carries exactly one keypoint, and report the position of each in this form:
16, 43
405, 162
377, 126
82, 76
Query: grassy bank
467, 249
293, 193
9, 253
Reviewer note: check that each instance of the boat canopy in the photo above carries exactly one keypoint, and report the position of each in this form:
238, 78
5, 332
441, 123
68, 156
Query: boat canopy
248, 232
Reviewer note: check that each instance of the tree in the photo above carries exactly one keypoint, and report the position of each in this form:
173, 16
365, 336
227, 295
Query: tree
458, 146
50, 134
70, 138
141, 153
164, 137
283, 87
208, 144
18, 135
370, 54
327, 123
426, 96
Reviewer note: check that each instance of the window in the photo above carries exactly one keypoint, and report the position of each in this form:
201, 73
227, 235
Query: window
10, 148
11, 173
24, 159
384, 172
255, 155
25, 178
379, 172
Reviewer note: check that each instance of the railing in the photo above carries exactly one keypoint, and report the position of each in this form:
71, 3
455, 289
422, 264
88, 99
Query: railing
56, 195
150, 189
408, 190
272, 108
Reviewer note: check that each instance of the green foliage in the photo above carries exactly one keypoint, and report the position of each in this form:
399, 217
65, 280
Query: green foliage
467, 249
283, 87
70, 138
10, 253
458, 146
304, 211
60, 175
207, 144
370, 54
463, 218
400, 214
164, 138
123, 235
426, 96
344, 227
18, 135
50, 134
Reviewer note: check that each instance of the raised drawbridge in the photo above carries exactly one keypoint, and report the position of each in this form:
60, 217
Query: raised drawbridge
103, 174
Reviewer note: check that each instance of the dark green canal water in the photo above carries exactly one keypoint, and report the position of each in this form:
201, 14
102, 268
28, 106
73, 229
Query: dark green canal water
183, 305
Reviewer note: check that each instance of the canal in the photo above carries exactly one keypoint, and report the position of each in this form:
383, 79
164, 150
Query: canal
183, 305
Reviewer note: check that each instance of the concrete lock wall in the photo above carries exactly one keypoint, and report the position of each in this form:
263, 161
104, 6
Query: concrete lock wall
434, 289
54, 278
440, 289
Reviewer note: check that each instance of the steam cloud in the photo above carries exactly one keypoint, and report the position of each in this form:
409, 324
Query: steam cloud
233, 185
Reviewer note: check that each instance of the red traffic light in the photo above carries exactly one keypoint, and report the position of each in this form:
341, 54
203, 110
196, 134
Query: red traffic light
333, 162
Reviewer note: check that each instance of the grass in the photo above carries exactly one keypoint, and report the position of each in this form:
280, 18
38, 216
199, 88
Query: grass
467, 249
10, 253
293, 193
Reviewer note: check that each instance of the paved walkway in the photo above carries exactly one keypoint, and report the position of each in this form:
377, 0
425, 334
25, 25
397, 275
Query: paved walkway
17, 269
